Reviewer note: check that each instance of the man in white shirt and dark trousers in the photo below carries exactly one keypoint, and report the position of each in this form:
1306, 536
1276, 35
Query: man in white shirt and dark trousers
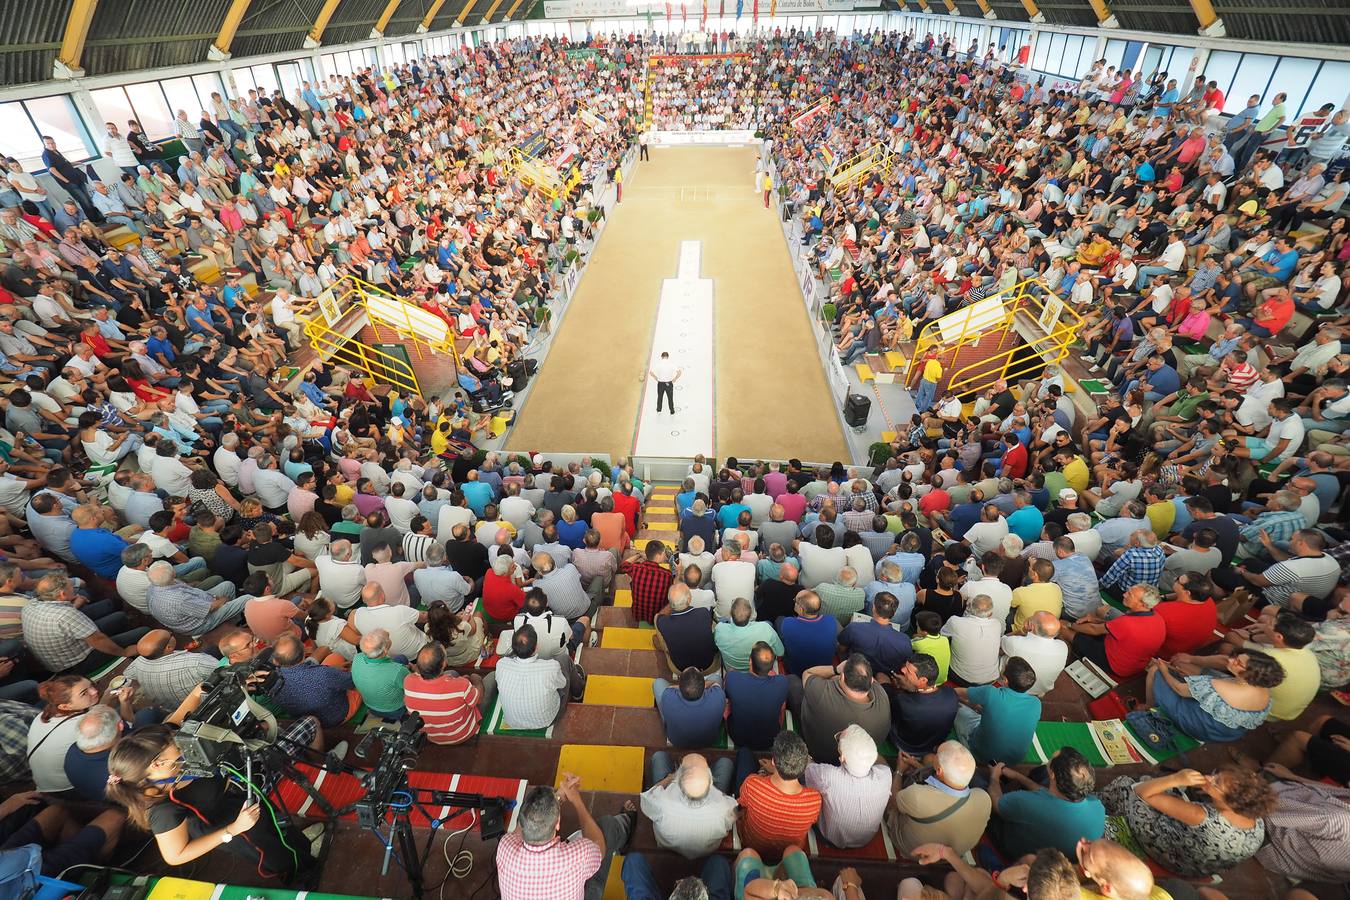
666, 374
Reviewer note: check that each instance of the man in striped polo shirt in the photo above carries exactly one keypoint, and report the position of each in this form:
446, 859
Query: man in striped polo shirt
449, 703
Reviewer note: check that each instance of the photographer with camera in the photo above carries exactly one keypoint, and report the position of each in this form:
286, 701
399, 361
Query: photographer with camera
190, 816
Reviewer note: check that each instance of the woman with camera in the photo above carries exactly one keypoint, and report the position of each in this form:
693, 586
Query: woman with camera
192, 816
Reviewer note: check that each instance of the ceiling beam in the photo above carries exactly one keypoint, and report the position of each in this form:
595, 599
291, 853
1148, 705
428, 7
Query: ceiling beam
67, 64
491, 9
984, 8
383, 23
951, 7
316, 31
1105, 19
1210, 23
923, 5
1034, 13
512, 11
464, 11
220, 50
431, 14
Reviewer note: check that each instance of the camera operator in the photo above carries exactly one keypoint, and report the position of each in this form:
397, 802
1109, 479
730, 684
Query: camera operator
190, 816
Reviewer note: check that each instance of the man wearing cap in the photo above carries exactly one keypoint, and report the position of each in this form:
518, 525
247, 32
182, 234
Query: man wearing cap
854, 793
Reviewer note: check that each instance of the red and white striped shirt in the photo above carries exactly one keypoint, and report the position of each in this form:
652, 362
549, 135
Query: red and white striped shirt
448, 706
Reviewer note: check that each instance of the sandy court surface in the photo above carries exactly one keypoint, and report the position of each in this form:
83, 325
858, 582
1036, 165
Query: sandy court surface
772, 398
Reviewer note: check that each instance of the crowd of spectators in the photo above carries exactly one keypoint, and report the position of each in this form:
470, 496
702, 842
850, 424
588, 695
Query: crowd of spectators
171, 501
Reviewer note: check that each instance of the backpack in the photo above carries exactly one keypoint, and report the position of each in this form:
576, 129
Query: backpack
19, 870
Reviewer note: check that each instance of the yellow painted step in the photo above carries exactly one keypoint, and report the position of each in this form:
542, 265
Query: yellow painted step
618, 690
602, 767
865, 373
887, 437
623, 598
627, 638
895, 359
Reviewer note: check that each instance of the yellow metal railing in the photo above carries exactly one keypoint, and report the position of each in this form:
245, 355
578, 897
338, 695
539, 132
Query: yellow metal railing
336, 347
349, 293
877, 156
1055, 322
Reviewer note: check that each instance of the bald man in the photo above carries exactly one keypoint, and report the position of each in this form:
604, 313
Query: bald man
1039, 646
1116, 872
689, 806
776, 597
165, 675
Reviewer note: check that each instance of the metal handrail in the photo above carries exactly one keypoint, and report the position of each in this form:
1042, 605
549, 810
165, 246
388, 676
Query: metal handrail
1031, 295
353, 352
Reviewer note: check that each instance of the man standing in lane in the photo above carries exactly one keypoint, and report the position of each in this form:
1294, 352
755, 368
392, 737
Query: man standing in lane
666, 374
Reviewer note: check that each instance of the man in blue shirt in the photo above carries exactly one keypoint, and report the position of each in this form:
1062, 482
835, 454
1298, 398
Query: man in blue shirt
691, 711
1275, 267
808, 637
730, 513
757, 699
1058, 816
304, 687
1005, 724
1026, 520
478, 493
884, 647
95, 547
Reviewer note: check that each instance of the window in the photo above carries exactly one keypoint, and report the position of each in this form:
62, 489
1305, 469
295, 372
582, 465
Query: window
264, 79
208, 84
18, 137
1252, 77
23, 125
1114, 52
1220, 69
1294, 76
182, 95
152, 110
1041, 52
396, 56
114, 107
1328, 86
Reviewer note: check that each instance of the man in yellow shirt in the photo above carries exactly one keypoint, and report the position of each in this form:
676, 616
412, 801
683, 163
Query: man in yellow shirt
1039, 596
1074, 469
928, 382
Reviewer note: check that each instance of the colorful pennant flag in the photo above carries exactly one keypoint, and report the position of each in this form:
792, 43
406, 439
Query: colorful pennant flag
740, 6
754, 13
703, 21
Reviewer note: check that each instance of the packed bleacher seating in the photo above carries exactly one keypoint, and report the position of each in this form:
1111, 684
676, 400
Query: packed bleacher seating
895, 656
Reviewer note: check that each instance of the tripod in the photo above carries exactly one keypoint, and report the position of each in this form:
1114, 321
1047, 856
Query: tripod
402, 801
264, 770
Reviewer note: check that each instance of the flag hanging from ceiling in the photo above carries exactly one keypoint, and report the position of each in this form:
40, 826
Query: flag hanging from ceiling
667, 9
773, 8
703, 22
754, 13
740, 6
684, 14
722, 10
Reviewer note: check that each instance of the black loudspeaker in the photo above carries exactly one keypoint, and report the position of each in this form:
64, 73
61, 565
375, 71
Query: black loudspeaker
856, 409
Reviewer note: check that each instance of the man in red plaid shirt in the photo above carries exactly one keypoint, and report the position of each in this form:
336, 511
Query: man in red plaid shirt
651, 577
534, 863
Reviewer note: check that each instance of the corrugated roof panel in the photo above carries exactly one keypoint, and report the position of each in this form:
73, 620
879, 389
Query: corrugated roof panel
276, 26
1009, 12
1311, 21
30, 36
353, 20
1074, 12
407, 17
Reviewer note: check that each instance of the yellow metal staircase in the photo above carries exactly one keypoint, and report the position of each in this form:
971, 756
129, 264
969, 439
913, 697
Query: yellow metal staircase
1046, 325
348, 306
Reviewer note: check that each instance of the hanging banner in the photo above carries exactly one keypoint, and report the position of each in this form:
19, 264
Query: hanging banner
684, 14
754, 13
703, 20
773, 8
740, 5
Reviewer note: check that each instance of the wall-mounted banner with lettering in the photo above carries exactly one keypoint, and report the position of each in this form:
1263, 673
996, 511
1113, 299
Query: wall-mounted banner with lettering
592, 9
